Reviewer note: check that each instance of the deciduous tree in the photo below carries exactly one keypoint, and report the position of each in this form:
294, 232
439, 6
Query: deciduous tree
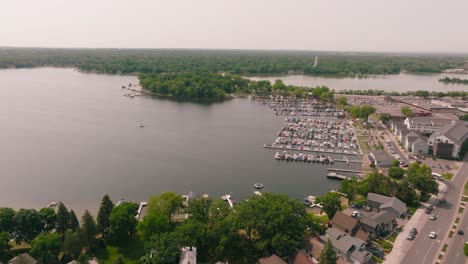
331, 203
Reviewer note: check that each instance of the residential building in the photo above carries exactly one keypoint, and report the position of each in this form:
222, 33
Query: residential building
379, 223
426, 125
447, 142
188, 255
379, 202
349, 225
380, 158
24, 258
347, 247
419, 146
273, 259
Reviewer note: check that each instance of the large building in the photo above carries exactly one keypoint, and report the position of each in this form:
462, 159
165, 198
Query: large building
447, 142
381, 159
426, 125
347, 247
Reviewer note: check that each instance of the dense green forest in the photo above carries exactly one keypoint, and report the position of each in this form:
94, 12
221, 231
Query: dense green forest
253, 62
453, 80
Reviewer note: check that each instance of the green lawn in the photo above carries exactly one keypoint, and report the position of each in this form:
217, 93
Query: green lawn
131, 252
447, 176
466, 189
393, 237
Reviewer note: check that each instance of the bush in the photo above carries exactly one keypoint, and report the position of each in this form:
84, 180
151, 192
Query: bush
465, 249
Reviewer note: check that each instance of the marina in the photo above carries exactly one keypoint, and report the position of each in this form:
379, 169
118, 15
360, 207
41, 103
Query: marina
301, 107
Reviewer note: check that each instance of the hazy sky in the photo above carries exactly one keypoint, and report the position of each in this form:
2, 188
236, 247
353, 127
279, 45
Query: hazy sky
344, 25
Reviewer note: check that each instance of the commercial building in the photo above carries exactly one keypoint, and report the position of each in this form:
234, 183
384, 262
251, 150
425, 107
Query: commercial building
447, 142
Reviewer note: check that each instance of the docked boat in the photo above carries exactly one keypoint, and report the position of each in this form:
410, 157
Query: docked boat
322, 159
277, 156
258, 186
331, 160
295, 157
141, 125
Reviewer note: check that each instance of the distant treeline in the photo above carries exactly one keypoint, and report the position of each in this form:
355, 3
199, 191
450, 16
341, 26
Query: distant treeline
126, 61
453, 80
409, 93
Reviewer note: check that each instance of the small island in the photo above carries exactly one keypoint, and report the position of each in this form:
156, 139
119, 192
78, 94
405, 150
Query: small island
453, 80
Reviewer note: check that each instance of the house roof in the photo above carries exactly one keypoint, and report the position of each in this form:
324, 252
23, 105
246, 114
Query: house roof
456, 132
317, 248
273, 259
301, 258
384, 217
346, 243
362, 234
419, 140
387, 202
428, 121
24, 258
345, 221
380, 155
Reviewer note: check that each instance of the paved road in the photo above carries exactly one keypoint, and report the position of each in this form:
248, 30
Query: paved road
426, 250
455, 251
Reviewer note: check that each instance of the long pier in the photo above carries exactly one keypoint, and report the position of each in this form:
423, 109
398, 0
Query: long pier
345, 170
310, 150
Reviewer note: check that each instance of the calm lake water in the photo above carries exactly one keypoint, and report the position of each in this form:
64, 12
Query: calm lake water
72, 136
398, 83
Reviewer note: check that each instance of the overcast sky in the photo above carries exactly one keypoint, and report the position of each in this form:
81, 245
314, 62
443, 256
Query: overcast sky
340, 25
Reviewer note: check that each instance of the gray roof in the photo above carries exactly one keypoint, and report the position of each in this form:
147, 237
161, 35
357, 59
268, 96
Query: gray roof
381, 155
24, 258
428, 121
457, 132
384, 217
387, 202
419, 140
404, 132
346, 243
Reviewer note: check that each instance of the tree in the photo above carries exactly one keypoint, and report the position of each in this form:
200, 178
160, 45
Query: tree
89, 229
74, 224
7, 222
167, 203
72, 244
331, 203
4, 244
123, 222
420, 176
48, 218
46, 247
349, 187
396, 172
279, 86
263, 218
63, 219
153, 223
407, 193
464, 117
366, 111
342, 101
165, 248
199, 209
104, 214
385, 117
28, 225
407, 111
328, 255
395, 163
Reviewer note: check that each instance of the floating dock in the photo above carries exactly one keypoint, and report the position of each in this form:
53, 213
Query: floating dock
345, 170
314, 151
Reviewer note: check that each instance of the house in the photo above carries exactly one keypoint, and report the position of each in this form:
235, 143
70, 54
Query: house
447, 142
24, 258
302, 258
379, 223
427, 125
347, 247
380, 158
273, 259
379, 202
188, 255
349, 225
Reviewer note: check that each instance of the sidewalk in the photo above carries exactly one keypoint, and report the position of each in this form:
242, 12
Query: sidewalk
402, 245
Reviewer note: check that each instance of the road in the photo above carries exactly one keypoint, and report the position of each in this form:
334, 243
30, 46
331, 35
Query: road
455, 251
426, 250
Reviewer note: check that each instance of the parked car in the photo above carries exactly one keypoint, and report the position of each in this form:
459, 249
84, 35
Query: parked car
460, 232
413, 230
433, 235
432, 217
442, 201
410, 236
355, 213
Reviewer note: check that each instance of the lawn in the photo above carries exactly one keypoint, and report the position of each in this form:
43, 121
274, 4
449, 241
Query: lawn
447, 176
466, 189
130, 251
393, 237
364, 146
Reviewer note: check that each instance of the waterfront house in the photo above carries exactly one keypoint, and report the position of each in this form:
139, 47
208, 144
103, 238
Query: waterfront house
380, 158
447, 142
347, 247
350, 225
24, 258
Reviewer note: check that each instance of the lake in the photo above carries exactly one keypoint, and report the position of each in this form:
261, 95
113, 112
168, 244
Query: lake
72, 137
399, 82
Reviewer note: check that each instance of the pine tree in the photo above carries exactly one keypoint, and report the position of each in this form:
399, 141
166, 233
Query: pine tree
89, 229
74, 224
63, 219
104, 214
328, 255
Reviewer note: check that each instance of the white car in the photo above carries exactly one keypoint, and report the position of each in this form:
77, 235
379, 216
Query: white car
432, 217
433, 234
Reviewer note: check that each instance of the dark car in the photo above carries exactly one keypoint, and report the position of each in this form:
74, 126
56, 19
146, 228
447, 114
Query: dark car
442, 201
460, 232
413, 230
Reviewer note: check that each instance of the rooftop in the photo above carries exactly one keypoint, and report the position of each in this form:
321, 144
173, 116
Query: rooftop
456, 132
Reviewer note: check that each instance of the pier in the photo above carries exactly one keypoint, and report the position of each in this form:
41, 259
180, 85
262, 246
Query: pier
335, 175
311, 150
345, 170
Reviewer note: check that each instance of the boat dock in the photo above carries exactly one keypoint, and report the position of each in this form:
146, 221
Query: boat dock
345, 170
335, 175
312, 150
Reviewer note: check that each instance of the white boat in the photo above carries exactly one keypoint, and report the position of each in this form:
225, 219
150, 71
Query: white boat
258, 186
277, 156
